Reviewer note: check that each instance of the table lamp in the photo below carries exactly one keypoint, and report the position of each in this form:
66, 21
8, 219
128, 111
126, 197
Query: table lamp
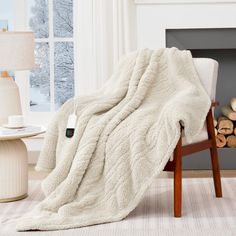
16, 53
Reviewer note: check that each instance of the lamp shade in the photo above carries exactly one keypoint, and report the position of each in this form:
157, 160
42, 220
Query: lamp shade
16, 51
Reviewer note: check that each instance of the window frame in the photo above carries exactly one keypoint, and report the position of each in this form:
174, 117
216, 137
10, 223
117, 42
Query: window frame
22, 77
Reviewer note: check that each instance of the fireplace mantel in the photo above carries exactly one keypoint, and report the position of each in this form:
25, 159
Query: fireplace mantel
154, 17
184, 1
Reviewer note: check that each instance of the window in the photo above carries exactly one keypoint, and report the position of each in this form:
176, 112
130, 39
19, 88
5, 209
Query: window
52, 82
58, 80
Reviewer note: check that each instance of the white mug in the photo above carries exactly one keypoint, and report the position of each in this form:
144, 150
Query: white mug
15, 121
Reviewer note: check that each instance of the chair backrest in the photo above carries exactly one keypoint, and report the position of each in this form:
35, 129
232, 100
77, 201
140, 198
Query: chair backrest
207, 69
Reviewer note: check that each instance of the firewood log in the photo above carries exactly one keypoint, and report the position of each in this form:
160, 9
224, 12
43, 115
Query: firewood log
216, 131
231, 141
228, 112
222, 118
220, 140
225, 126
215, 122
233, 104
234, 130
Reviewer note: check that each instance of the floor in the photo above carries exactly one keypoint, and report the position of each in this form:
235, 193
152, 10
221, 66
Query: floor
203, 214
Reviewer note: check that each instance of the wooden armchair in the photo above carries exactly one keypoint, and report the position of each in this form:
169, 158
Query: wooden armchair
207, 70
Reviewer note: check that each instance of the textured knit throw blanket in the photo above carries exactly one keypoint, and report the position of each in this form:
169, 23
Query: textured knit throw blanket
124, 136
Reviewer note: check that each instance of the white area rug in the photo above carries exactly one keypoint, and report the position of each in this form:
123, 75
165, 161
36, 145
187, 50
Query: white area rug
203, 214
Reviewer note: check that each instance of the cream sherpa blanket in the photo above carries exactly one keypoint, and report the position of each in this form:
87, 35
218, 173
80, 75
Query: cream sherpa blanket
125, 134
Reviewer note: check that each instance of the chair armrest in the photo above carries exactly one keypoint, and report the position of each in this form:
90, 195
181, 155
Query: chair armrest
215, 103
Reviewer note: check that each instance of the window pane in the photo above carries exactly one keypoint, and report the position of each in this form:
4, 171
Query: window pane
40, 80
64, 72
38, 18
6, 14
63, 18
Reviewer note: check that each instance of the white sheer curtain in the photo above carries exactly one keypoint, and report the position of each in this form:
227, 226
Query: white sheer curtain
106, 32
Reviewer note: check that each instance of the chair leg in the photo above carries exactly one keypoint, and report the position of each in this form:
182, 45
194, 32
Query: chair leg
178, 178
214, 155
216, 171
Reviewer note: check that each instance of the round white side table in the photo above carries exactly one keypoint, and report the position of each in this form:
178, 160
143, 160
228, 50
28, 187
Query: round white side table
14, 162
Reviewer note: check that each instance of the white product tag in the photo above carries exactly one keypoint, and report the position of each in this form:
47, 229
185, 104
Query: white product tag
71, 121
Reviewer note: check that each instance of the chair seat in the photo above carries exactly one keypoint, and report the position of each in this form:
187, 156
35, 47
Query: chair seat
201, 137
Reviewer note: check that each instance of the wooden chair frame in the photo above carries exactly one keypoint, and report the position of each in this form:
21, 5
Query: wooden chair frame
180, 151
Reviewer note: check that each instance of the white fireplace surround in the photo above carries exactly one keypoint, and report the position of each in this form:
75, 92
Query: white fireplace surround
155, 16
183, 1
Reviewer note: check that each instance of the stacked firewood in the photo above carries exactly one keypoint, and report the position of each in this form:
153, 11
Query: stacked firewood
225, 126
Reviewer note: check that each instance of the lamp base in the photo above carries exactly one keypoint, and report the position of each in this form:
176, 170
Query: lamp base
9, 98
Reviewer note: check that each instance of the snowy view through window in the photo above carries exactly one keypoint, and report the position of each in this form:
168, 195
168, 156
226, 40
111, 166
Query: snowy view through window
52, 82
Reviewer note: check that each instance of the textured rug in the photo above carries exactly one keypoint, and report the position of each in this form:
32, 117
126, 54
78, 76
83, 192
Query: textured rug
203, 214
